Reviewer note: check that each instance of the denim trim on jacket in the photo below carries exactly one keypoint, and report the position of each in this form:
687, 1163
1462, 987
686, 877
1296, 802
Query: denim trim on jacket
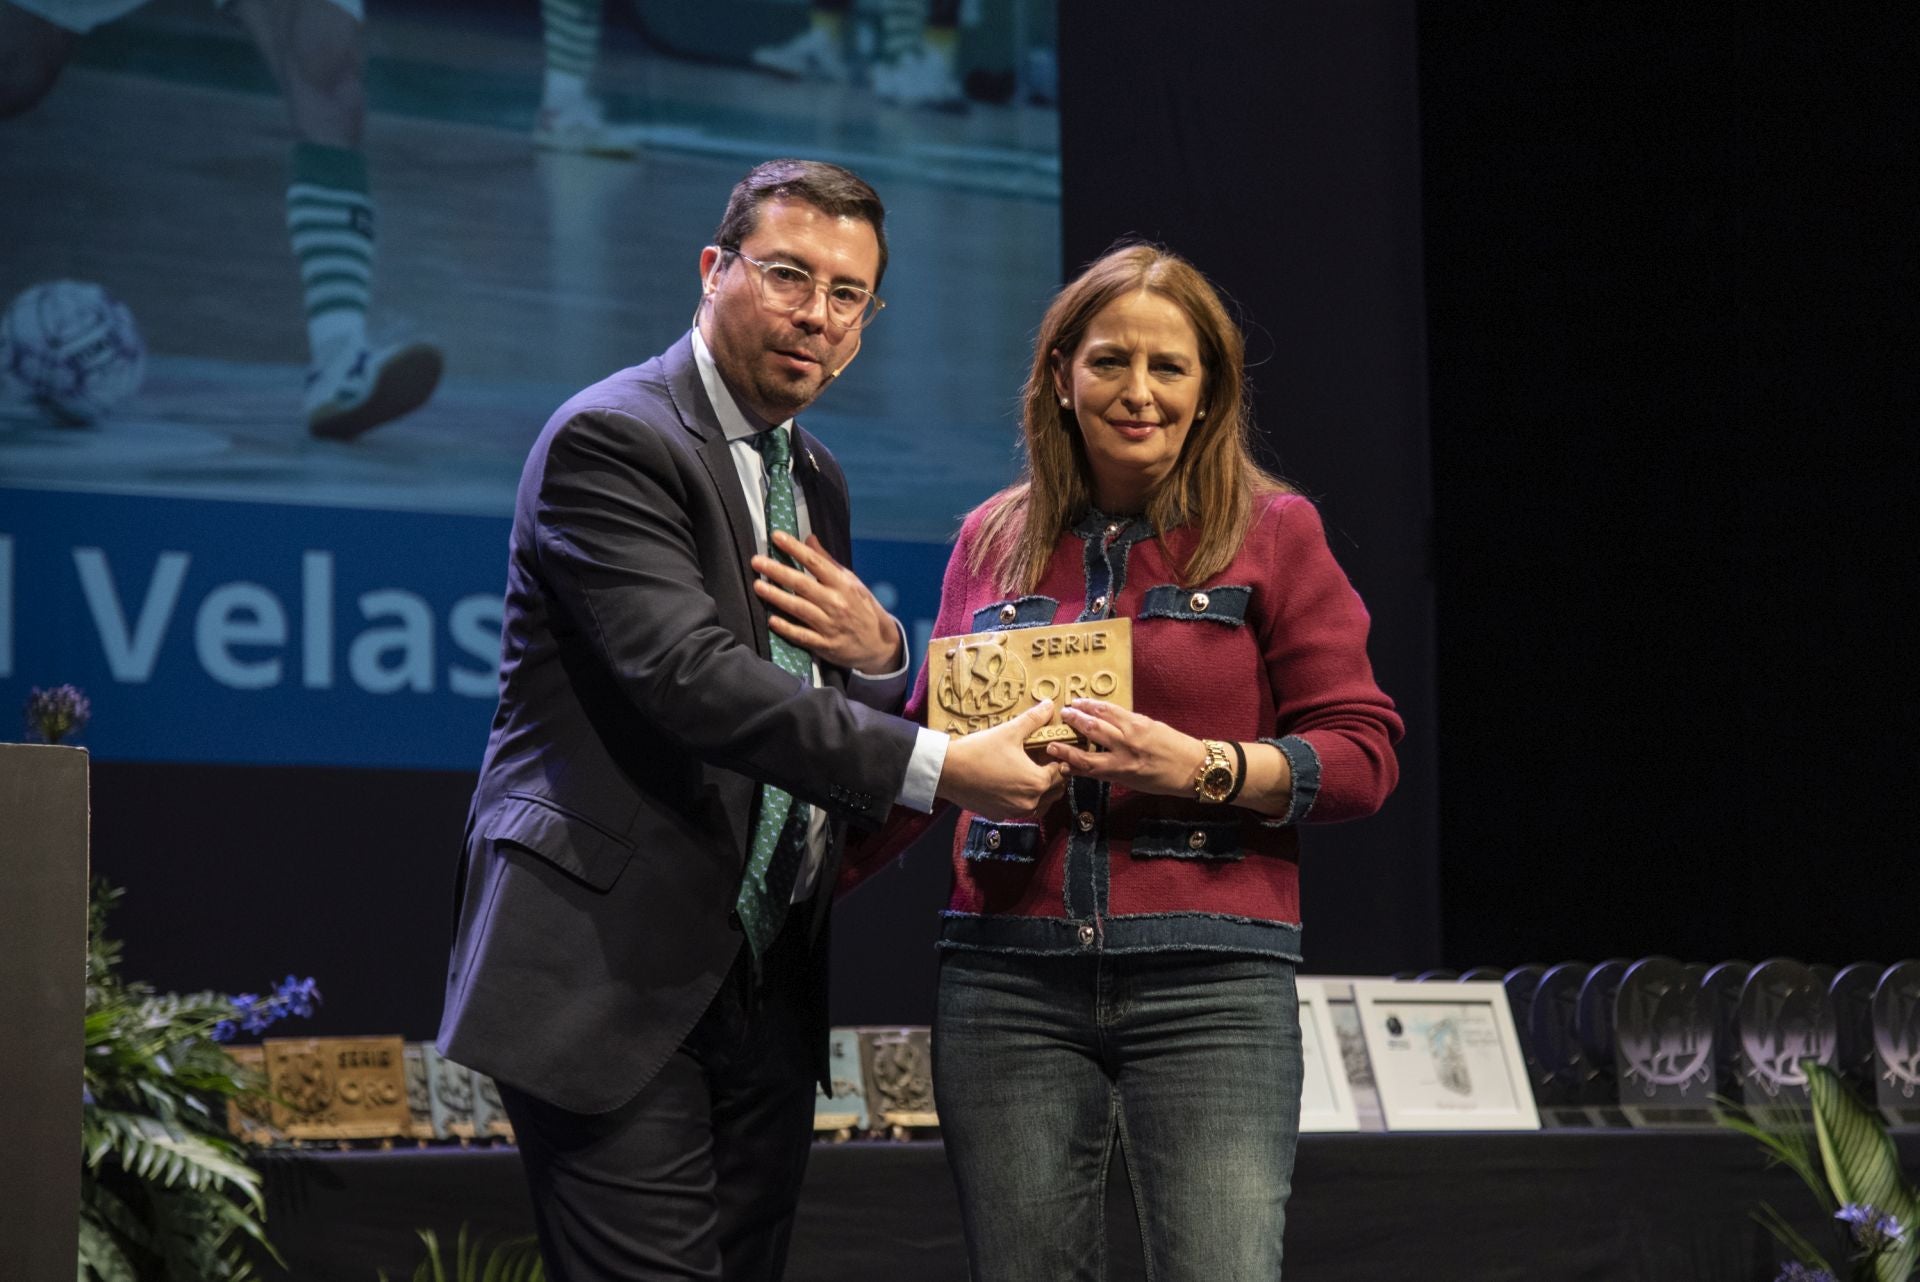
1014, 843
1304, 758
1225, 603
1137, 933
1028, 612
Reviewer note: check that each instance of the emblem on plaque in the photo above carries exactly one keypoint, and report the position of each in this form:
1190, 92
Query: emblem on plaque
898, 1064
1663, 1041
338, 1088
984, 678
1785, 1017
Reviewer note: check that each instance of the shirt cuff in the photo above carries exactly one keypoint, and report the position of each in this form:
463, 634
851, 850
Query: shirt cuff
898, 672
923, 770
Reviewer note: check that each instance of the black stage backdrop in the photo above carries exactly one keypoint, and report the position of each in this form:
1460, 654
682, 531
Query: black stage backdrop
1669, 282
1671, 275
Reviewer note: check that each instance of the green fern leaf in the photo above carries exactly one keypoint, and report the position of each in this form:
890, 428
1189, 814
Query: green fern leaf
101, 1257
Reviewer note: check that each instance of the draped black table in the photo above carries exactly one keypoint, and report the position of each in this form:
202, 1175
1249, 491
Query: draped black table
1552, 1206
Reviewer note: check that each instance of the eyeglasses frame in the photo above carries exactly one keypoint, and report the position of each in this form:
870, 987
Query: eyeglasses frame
871, 311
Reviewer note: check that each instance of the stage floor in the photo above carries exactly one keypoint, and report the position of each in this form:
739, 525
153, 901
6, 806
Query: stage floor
1554, 1206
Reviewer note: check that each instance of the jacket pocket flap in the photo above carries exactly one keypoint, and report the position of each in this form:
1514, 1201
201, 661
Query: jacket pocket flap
1224, 604
1217, 839
569, 842
1016, 612
1012, 842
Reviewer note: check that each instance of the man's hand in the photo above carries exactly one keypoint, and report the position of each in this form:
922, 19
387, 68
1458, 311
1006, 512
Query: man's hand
825, 609
990, 773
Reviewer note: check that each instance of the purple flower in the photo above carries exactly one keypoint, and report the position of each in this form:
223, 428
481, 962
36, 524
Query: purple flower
1798, 1272
297, 996
255, 1014
1872, 1231
54, 714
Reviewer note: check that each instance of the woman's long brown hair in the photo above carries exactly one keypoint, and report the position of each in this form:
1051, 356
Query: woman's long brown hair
1211, 487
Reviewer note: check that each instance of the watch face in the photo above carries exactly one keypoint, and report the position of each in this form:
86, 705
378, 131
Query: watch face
1217, 781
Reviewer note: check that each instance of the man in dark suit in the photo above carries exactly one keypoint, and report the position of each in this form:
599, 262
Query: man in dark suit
685, 726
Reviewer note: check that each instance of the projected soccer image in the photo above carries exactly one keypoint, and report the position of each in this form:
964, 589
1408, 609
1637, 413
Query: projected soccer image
294, 251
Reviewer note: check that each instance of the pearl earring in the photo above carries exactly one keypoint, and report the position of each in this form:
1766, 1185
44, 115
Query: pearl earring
1064, 402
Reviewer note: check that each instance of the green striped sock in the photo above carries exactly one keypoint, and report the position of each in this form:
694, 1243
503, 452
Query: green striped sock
573, 35
330, 221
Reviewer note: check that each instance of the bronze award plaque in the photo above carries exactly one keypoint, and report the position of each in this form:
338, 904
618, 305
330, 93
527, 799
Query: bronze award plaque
985, 678
338, 1088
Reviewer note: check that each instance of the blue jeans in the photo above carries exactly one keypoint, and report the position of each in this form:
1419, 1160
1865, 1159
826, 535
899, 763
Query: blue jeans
1190, 1062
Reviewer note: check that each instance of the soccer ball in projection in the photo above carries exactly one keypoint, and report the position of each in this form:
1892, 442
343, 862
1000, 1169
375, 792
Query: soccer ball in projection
72, 348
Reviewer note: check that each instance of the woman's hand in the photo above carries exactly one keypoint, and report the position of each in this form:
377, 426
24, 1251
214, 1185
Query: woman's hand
1139, 753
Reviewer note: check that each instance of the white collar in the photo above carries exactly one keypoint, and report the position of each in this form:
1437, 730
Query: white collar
732, 422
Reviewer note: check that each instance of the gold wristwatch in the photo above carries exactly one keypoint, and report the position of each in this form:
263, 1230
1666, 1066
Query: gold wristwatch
1216, 779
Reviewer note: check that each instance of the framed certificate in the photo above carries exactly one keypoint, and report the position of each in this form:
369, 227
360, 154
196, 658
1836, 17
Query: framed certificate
1445, 1056
1326, 1099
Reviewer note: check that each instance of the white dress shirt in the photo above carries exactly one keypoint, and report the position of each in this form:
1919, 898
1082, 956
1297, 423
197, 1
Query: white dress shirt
930, 747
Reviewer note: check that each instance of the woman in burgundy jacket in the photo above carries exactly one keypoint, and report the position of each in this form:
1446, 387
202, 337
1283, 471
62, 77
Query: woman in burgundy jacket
1119, 969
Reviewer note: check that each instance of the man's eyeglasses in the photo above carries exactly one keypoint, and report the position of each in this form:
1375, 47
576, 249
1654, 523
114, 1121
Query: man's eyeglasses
790, 288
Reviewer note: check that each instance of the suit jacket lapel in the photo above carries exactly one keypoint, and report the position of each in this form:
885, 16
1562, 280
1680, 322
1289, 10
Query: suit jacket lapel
826, 499
827, 515
696, 413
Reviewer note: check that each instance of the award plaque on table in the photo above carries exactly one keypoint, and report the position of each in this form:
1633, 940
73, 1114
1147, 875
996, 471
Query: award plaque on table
1446, 1057
1351, 1045
1664, 1044
1896, 1042
1851, 993
490, 1118
844, 1112
449, 1096
419, 1091
338, 1088
1593, 1016
1326, 1097
1722, 984
898, 1066
1570, 1087
1786, 1017
984, 678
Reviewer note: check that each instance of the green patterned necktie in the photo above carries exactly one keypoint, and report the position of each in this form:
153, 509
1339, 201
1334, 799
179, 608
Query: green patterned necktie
780, 833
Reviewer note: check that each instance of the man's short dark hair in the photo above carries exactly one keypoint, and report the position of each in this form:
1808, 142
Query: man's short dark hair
832, 190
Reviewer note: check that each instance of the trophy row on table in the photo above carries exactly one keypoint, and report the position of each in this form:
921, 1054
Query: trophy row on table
1650, 1042
1646, 1043
349, 1090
